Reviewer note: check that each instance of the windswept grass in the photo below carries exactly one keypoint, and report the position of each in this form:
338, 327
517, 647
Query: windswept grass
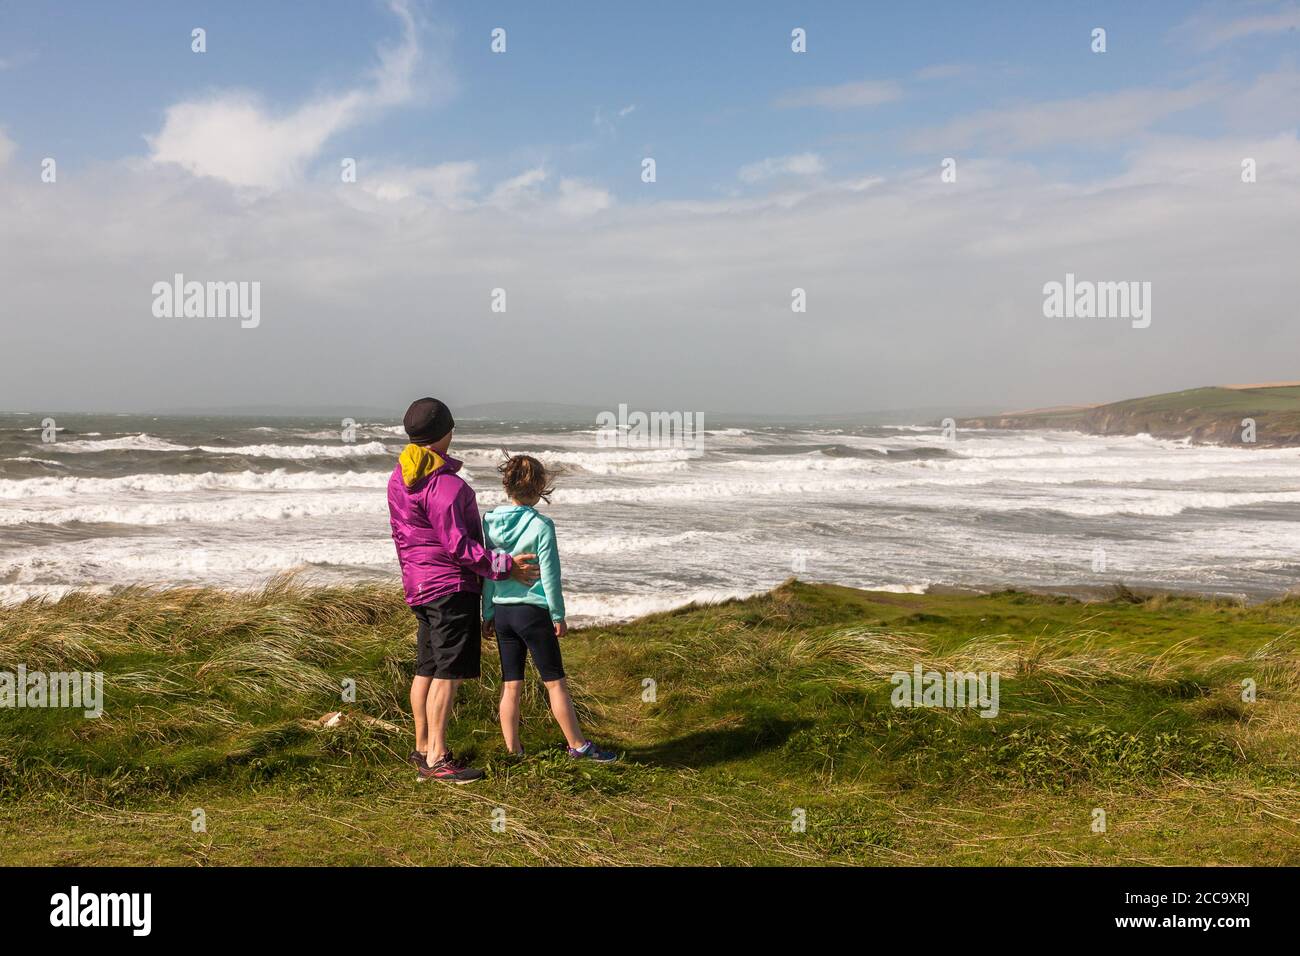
766, 713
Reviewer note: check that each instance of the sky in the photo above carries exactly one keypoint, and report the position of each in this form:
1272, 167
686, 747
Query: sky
525, 171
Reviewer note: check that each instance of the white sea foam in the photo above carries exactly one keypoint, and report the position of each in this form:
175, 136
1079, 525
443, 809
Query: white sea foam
315, 493
301, 452
141, 442
208, 481
148, 559
795, 488
1164, 504
38, 461
623, 461
216, 512
625, 543
150, 443
1117, 471
17, 593
597, 608
594, 608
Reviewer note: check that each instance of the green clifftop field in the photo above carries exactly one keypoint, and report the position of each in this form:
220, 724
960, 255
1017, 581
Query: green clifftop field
1210, 415
762, 708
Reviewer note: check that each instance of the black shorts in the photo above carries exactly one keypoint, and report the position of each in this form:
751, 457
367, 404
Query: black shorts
523, 629
449, 643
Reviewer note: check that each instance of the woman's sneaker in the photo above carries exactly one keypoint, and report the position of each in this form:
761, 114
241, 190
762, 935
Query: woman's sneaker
590, 751
450, 770
418, 759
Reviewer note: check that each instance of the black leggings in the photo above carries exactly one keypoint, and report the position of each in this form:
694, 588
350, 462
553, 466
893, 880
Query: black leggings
523, 629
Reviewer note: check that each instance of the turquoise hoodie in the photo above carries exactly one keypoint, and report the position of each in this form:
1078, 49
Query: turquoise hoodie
519, 529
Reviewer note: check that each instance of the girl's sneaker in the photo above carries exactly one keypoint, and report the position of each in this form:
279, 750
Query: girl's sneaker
417, 758
450, 770
590, 751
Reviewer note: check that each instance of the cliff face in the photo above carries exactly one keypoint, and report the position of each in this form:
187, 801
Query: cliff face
1197, 425
1207, 416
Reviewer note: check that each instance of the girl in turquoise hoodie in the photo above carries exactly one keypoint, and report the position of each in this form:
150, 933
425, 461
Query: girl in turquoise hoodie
529, 619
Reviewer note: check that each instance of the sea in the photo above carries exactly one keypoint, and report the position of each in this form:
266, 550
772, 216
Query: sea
101, 501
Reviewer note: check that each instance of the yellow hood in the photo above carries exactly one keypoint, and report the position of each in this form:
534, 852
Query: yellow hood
419, 463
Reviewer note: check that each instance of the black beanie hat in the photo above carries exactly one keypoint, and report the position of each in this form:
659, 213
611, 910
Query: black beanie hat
427, 420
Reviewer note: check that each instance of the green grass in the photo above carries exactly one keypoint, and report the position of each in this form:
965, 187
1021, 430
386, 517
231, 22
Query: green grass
763, 707
1231, 401
1210, 414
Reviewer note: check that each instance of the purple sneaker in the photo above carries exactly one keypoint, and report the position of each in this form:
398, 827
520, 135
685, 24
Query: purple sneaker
590, 751
450, 770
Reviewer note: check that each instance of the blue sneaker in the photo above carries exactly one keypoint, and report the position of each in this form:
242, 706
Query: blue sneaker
590, 751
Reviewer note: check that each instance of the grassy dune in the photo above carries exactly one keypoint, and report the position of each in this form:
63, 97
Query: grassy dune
764, 706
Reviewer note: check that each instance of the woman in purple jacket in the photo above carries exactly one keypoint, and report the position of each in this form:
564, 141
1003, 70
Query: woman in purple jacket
439, 538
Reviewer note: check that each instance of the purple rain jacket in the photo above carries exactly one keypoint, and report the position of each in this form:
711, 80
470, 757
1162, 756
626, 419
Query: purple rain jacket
437, 529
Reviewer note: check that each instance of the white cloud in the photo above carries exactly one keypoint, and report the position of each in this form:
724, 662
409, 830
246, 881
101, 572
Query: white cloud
234, 137
524, 186
861, 184
942, 71
578, 199
12, 61
7, 147
844, 96
455, 186
1271, 102
1095, 119
571, 198
1169, 160
609, 124
448, 184
801, 164
684, 303
1206, 32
